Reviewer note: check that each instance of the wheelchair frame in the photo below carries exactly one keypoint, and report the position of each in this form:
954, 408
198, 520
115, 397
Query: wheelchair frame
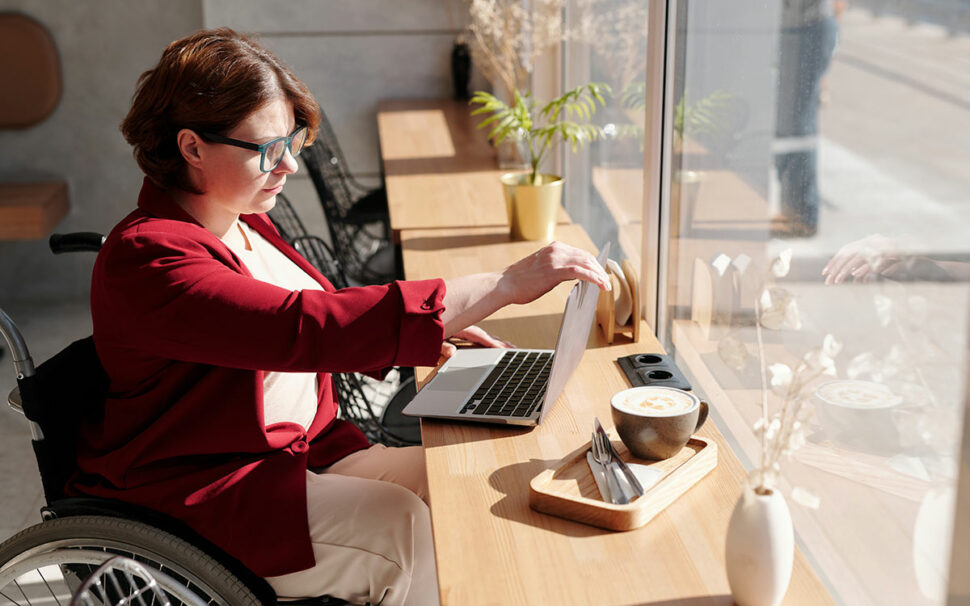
77, 535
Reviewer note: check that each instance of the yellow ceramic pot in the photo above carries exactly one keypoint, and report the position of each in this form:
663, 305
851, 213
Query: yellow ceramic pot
532, 209
684, 188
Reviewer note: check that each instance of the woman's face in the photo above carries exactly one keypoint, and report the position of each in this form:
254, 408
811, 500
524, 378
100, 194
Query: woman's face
231, 178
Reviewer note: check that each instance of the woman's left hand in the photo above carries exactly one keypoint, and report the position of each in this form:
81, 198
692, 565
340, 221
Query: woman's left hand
447, 350
477, 336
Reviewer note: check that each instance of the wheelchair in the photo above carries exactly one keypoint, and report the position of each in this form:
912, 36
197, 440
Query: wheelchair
125, 578
49, 562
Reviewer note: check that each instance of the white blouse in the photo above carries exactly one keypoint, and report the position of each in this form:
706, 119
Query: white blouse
287, 396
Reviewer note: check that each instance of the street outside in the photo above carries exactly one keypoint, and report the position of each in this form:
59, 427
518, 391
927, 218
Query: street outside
895, 137
894, 159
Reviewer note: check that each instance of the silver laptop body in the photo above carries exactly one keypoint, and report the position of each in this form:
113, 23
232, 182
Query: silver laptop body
512, 386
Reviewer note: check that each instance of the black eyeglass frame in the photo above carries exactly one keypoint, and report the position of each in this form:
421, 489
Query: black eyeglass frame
260, 147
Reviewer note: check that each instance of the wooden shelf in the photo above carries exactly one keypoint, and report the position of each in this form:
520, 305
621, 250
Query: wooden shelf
30, 210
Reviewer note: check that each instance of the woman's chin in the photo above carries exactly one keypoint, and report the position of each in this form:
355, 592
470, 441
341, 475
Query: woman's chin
266, 205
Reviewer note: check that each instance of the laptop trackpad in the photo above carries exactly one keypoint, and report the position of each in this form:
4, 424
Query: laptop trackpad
458, 379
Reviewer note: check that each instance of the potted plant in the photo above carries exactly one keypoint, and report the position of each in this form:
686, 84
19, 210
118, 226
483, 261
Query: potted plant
532, 199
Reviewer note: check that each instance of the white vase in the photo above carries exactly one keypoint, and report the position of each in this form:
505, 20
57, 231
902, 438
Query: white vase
932, 541
760, 549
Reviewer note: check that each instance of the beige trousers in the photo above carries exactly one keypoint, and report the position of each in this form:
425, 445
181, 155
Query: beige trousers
370, 527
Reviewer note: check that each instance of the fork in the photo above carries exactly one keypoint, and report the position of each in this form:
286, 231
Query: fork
602, 456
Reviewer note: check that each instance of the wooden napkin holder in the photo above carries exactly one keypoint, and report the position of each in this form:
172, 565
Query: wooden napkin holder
606, 306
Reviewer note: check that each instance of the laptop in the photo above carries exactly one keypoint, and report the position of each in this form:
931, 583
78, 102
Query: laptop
511, 386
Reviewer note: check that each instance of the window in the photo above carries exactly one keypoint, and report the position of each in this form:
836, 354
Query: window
605, 185
833, 138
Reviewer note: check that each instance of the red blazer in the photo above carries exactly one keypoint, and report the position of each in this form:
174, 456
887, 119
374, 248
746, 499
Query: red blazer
185, 333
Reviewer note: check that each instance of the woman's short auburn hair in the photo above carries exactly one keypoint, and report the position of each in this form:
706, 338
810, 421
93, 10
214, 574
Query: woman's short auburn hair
207, 82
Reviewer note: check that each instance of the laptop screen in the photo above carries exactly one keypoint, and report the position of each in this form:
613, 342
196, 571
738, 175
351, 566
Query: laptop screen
573, 334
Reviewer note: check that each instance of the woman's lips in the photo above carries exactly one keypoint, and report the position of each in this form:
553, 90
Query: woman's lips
274, 190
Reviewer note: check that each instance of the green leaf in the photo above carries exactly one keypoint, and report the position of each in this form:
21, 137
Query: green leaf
567, 117
502, 127
483, 110
491, 119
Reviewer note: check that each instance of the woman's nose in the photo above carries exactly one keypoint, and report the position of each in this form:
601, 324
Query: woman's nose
288, 164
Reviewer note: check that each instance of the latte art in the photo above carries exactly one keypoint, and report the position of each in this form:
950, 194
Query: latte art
857, 394
657, 402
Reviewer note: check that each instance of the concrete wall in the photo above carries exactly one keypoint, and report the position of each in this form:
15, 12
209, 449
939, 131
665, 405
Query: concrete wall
352, 54
104, 46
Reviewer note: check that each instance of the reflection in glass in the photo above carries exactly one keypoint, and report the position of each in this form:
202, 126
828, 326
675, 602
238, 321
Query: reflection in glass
605, 188
819, 155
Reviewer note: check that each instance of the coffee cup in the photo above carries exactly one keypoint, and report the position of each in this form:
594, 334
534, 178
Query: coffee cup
656, 422
858, 414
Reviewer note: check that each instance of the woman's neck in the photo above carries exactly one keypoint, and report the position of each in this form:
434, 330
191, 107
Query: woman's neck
211, 215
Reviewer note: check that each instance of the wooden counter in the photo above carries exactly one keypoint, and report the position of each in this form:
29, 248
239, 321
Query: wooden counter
491, 547
439, 170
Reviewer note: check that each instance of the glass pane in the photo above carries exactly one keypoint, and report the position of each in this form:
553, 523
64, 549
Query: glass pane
296, 144
272, 155
604, 188
818, 187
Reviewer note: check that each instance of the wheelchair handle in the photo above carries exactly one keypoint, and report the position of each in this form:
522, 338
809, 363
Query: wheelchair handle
18, 347
75, 242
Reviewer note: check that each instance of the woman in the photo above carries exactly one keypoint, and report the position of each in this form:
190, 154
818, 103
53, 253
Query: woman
218, 337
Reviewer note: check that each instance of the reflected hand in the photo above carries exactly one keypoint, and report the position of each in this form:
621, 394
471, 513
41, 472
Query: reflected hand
861, 260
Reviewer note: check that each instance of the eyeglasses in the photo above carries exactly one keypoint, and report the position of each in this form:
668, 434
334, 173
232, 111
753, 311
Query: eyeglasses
270, 153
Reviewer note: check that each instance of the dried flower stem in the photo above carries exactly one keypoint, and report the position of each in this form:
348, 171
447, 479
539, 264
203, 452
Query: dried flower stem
510, 35
764, 389
792, 404
918, 369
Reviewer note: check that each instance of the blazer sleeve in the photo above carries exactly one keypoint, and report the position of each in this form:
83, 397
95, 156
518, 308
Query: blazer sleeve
175, 297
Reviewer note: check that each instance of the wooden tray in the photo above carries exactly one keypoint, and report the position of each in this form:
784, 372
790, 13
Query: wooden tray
569, 490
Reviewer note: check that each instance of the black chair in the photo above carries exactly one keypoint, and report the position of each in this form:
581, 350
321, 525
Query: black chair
359, 397
352, 212
370, 205
313, 248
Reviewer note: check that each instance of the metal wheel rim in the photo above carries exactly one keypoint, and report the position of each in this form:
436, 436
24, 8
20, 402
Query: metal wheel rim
188, 591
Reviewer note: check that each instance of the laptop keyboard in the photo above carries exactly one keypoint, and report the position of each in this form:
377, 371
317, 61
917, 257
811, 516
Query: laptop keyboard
515, 387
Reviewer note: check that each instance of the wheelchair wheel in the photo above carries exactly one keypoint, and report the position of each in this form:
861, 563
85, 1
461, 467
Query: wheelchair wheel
46, 563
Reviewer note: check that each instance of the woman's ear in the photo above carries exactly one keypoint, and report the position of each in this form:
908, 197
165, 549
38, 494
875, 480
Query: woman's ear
190, 144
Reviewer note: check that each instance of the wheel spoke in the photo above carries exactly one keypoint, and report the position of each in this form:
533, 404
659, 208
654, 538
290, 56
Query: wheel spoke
10, 599
17, 583
100, 591
139, 592
53, 593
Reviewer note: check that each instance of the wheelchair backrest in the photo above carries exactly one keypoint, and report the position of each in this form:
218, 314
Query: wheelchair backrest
65, 390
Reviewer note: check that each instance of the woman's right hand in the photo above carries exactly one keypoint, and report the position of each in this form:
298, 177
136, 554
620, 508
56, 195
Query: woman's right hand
469, 299
535, 275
